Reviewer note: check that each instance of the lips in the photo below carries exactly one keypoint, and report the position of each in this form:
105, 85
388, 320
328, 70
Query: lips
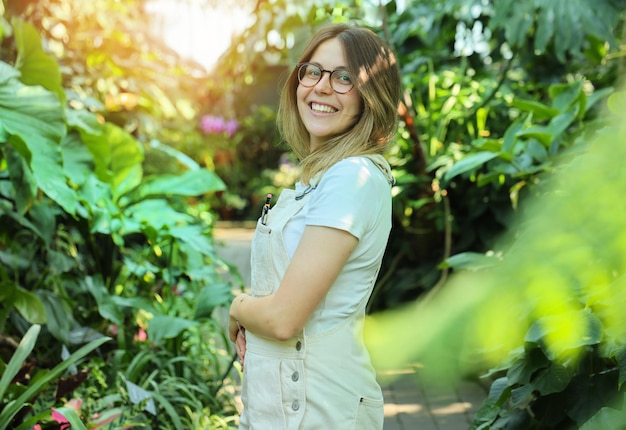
320, 108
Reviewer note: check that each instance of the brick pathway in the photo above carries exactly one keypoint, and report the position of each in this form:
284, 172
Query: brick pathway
410, 402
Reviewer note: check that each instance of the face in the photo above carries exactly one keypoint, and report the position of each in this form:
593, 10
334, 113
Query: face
324, 112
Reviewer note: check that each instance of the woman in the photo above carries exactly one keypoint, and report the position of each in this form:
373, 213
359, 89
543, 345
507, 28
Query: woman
316, 253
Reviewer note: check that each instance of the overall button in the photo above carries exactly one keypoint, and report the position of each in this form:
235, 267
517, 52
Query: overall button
295, 405
298, 346
295, 376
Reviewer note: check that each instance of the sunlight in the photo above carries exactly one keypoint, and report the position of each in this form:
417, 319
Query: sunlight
453, 408
393, 409
197, 31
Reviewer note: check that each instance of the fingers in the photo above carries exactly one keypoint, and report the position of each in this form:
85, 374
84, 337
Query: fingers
233, 330
241, 345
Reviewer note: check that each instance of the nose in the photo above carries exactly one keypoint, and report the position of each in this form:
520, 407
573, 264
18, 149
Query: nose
323, 85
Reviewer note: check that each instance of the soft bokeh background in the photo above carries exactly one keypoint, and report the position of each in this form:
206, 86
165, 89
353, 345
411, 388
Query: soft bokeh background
131, 130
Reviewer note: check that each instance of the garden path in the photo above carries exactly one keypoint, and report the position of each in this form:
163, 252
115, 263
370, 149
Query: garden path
410, 402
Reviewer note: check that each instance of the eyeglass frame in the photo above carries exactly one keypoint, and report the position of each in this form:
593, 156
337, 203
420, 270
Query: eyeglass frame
299, 66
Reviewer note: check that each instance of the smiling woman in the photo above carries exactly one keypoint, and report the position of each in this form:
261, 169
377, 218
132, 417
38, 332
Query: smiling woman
199, 30
316, 253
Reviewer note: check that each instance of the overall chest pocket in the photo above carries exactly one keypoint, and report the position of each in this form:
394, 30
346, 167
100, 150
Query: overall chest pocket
262, 278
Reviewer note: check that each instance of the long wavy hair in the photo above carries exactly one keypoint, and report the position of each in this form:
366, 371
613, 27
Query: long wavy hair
375, 71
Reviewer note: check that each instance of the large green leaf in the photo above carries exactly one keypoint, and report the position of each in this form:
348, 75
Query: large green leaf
194, 237
43, 215
591, 326
606, 418
190, 183
527, 365
59, 317
96, 195
155, 213
539, 110
23, 351
77, 160
554, 379
565, 95
34, 226
33, 117
126, 160
108, 308
179, 156
35, 65
167, 327
22, 179
118, 157
29, 306
83, 120
212, 296
469, 163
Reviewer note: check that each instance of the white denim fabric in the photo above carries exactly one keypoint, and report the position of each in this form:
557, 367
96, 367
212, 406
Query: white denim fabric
319, 381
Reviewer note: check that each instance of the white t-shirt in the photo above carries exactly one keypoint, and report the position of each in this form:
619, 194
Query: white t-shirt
353, 195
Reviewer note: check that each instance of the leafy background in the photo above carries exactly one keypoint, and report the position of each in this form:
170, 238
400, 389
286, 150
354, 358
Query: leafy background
118, 158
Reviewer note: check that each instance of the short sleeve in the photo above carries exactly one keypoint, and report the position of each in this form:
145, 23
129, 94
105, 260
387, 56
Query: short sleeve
350, 196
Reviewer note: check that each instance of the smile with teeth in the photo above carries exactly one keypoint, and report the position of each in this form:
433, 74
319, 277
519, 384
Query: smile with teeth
315, 107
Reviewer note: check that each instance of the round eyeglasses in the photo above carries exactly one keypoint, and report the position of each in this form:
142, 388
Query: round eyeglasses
310, 74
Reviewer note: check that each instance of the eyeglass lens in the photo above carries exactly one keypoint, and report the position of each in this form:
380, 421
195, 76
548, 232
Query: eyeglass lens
310, 74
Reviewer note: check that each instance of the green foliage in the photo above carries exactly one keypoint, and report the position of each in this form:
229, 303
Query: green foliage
102, 180
547, 312
549, 24
13, 401
90, 244
573, 351
483, 121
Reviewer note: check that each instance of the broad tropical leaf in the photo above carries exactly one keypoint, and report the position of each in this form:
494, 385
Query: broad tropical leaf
33, 118
190, 183
35, 65
212, 296
166, 327
118, 157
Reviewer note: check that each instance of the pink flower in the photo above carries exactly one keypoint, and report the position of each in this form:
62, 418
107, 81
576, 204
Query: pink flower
74, 404
231, 127
210, 124
63, 422
141, 336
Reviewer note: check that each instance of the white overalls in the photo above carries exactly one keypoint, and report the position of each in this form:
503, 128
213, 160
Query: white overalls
318, 382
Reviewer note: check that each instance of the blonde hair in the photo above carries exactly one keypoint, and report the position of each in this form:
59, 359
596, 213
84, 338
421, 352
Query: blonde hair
373, 67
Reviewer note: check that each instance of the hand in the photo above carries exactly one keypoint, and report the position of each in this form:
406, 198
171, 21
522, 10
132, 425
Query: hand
233, 322
240, 345
233, 329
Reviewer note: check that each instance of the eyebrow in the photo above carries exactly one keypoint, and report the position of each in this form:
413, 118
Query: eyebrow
322, 67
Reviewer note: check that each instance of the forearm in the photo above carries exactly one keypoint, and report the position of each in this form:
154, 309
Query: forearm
310, 275
263, 317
